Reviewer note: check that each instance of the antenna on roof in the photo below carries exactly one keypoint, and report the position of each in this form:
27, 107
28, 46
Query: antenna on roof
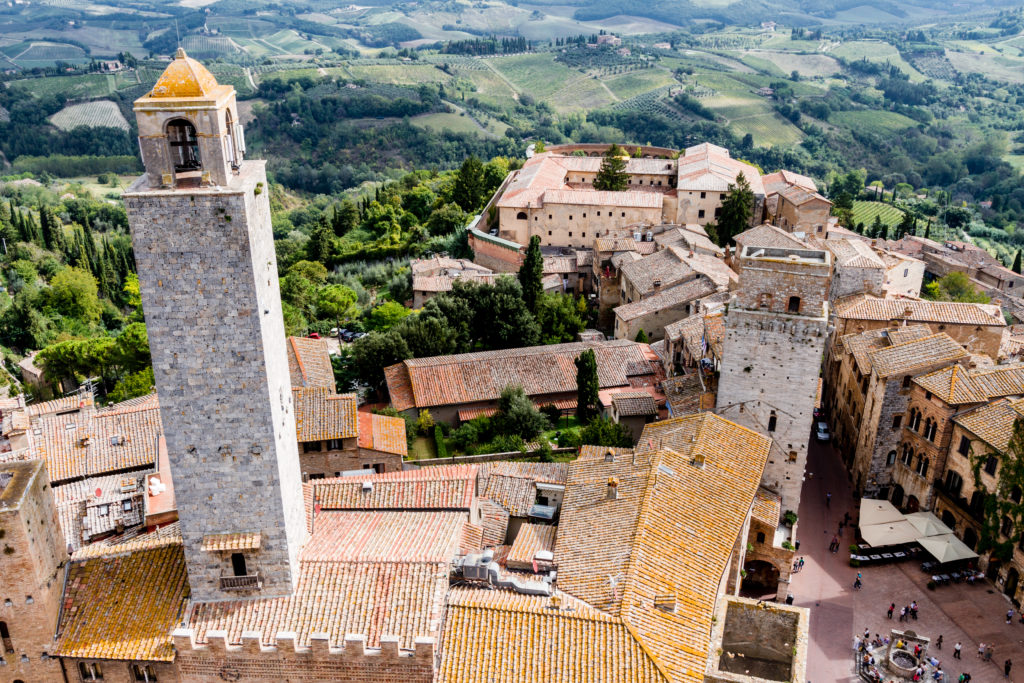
176, 34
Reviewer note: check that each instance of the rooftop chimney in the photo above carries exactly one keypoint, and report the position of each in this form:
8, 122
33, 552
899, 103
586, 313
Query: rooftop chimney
613, 488
609, 456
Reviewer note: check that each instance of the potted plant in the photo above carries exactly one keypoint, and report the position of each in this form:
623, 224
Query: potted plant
789, 518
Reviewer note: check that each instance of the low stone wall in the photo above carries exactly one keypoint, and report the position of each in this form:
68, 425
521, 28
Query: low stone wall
757, 641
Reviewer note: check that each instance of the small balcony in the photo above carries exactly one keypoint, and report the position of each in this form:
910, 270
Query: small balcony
248, 582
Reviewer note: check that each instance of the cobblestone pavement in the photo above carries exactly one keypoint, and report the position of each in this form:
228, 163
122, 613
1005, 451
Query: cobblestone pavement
970, 614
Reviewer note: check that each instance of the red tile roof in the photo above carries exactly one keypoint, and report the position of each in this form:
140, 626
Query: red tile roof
321, 414
444, 487
309, 363
382, 433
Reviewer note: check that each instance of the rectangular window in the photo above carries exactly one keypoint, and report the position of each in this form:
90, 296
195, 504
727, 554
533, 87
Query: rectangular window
965, 446
583, 234
570, 216
598, 213
319, 475
310, 446
623, 214
703, 195
549, 233
144, 673
570, 234
334, 444
584, 215
238, 563
90, 671
896, 421
700, 213
103, 510
126, 506
991, 464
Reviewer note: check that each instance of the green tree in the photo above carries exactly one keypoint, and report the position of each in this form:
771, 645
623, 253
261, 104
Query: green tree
75, 293
876, 226
427, 336
53, 230
906, 226
298, 292
313, 271
561, 317
955, 286
641, 337
1016, 263
321, 242
601, 431
612, 175
737, 208
531, 272
419, 201
344, 217
295, 323
337, 302
132, 386
22, 326
517, 415
131, 348
587, 386
446, 220
957, 217
469, 184
374, 352
386, 316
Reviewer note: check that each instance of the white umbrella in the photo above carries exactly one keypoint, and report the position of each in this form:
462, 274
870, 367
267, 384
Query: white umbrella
947, 548
889, 533
878, 511
928, 524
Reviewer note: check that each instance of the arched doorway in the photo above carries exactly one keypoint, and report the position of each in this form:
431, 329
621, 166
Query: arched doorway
994, 563
948, 519
181, 136
897, 495
970, 538
762, 579
1012, 579
912, 504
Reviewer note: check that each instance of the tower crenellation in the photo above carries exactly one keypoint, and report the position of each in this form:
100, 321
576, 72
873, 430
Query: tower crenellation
200, 222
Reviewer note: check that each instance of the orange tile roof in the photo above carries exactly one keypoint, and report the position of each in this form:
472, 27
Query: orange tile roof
59, 405
321, 414
82, 444
767, 235
402, 599
682, 502
667, 298
186, 78
871, 308
914, 356
444, 487
767, 507
382, 433
231, 542
481, 376
531, 539
993, 423
121, 602
498, 636
634, 403
309, 363
636, 199
853, 253
513, 485
709, 167
385, 536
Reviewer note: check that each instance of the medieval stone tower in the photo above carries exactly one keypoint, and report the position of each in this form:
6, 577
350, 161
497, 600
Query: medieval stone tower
200, 221
775, 333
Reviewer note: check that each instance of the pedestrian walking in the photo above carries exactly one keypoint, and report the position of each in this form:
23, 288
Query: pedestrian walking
1007, 665
938, 675
828, 499
938, 643
1009, 616
903, 613
981, 650
892, 608
988, 652
956, 650
801, 560
913, 610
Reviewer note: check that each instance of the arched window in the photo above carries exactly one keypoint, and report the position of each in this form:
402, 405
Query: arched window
970, 537
521, 216
897, 496
1006, 528
181, 136
760, 537
922, 466
891, 458
230, 139
908, 455
794, 304
915, 419
772, 421
948, 519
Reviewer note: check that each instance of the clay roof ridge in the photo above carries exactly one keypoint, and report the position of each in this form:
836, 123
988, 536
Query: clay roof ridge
643, 512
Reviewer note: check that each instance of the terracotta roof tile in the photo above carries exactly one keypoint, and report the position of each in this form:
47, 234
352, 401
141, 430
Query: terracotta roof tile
531, 539
766, 235
513, 485
871, 308
385, 536
93, 442
914, 356
767, 507
993, 423
853, 253
667, 298
503, 637
382, 433
122, 604
682, 502
634, 403
231, 542
309, 363
444, 487
321, 414
478, 377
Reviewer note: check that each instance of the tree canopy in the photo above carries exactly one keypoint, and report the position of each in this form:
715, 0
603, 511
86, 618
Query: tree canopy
737, 208
612, 175
587, 386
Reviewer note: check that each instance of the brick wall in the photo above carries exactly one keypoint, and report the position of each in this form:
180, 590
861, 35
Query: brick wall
328, 462
120, 671
498, 258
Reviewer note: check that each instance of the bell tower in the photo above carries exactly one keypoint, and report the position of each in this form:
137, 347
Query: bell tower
200, 222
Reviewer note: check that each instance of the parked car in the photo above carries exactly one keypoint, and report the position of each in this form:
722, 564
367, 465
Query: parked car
821, 432
314, 335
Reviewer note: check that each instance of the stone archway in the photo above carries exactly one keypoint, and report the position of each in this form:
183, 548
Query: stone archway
762, 579
912, 504
970, 538
1012, 580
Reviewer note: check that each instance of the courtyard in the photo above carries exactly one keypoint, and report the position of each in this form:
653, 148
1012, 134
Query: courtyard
958, 612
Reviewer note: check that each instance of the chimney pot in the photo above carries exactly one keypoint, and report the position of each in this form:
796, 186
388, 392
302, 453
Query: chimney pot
613, 488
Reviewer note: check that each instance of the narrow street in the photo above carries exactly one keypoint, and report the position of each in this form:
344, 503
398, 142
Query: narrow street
969, 614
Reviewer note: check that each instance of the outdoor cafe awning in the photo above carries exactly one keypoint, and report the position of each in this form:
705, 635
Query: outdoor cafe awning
947, 548
878, 511
889, 533
928, 524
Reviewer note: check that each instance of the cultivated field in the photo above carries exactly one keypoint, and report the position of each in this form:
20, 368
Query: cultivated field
101, 113
882, 122
865, 212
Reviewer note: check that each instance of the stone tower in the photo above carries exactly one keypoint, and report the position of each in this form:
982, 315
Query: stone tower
200, 221
775, 332
30, 573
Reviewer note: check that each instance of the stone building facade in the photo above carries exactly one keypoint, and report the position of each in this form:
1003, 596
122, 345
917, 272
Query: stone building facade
775, 331
208, 276
30, 573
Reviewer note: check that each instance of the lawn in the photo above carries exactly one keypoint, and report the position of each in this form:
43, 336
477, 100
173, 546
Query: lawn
537, 74
583, 93
423, 448
445, 121
865, 212
399, 74
881, 122
809, 66
636, 83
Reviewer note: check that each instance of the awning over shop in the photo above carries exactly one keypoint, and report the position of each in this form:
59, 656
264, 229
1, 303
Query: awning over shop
889, 533
878, 511
928, 524
947, 548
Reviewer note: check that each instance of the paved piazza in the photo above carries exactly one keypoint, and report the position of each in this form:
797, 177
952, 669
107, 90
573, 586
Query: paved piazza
970, 614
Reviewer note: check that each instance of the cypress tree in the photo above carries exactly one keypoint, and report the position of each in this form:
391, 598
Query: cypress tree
612, 175
587, 386
1016, 263
531, 273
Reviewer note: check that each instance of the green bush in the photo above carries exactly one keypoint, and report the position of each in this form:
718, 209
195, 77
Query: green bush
787, 545
932, 585
854, 563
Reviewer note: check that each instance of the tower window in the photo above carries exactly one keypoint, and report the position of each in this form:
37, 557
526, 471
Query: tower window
772, 421
794, 304
181, 136
90, 671
144, 673
6, 636
238, 564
